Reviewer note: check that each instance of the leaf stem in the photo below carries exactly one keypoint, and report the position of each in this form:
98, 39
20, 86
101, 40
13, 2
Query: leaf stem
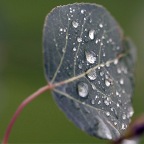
21, 107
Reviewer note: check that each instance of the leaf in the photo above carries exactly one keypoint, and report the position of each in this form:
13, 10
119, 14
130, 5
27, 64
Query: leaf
84, 48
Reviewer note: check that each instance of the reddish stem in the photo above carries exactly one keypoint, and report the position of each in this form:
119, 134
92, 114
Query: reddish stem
21, 107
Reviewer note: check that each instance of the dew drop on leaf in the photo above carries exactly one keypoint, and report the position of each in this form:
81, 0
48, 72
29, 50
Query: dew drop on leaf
79, 39
75, 24
83, 89
90, 57
107, 83
92, 75
92, 34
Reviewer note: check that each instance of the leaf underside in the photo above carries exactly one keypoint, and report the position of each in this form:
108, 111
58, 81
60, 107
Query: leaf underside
84, 45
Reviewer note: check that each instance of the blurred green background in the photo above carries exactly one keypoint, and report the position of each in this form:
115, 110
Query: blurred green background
21, 69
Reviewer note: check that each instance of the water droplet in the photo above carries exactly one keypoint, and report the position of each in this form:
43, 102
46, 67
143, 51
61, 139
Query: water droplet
123, 126
79, 39
121, 81
82, 11
101, 25
92, 101
101, 73
118, 105
118, 70
75, 24
107, 64
74, 49
117, 93
99, 102
130, 112
80, 66
116, 61
90, 57
61, 29
124, 116
92, 34
107, 102
108, 113
96, 41
104, 54
107, 83
82, 89
93, 87
115, 123
92, 75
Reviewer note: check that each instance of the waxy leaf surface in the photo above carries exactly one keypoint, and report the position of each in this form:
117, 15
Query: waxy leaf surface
85, 47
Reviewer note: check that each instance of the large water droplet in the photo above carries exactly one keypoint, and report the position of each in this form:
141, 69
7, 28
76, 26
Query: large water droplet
75, 24
92, 34
92, 75
82, 89
90, 57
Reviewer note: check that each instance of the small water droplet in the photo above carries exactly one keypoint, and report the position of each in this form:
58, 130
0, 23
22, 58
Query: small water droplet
108, 113
117, 93
124, 116
79, 39
107, 83
90, 57
74, 49
115, 123
106, 102
118, 105
123, 126
82, 89
116, 61
92, 34
130, 112
61, 29
121, 81
107, 64
92, 101
104, 54
80, 66
92, 75
82, 11
93, 87
118, 70
96, 41
75, 24
101, 25
101, 73
99, 102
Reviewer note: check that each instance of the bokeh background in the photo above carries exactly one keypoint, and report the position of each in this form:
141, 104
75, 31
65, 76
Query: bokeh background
21, 69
